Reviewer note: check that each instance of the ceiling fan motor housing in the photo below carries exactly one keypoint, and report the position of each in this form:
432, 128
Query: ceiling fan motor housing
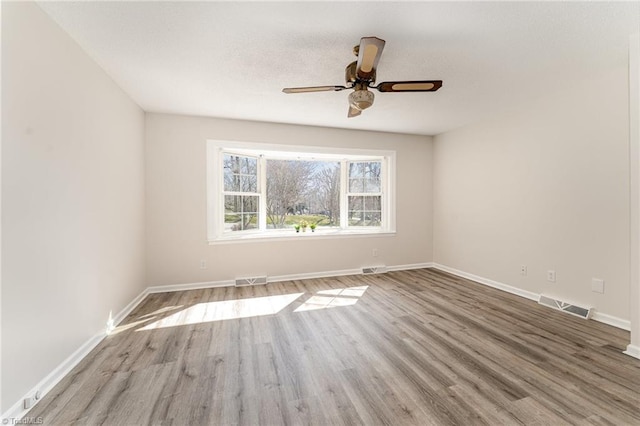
351, 76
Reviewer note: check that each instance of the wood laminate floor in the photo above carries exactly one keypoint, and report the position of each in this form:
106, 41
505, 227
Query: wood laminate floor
414, 347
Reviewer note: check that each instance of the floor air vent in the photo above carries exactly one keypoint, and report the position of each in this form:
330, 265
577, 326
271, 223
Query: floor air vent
243, 282
374, 270
578, 311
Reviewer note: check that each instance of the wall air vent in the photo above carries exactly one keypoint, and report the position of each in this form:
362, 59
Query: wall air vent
243, 282
579, 311
374, 270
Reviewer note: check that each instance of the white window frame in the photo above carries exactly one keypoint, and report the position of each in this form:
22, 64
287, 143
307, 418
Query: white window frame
259, 178
216, 149
347, 191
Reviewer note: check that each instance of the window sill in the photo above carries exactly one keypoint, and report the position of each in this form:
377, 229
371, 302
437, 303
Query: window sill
291, 234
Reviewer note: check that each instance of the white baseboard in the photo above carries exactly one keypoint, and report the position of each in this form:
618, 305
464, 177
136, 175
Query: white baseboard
45, 385
17, 411
410, 266
188, 286
310, 275
596, 316
343, 272
130, 307
611, 320
276, 278
633, 351
491, 283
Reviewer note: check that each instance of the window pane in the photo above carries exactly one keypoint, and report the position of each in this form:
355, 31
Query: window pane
240, 212
374, 219
299, 190
356, 210
240, 173
372, 170
288, 184
355, 170
364, 177
324, 202
365, 211
249, 183
372, 185
372, 203
248, 165
356, 185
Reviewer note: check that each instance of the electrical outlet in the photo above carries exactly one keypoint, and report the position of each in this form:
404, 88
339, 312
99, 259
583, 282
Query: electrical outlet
523, 269
551, 276
597, 285
203, 264
30, 401
374, 252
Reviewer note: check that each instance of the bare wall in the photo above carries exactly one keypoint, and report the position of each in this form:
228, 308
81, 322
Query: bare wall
176, 204
546, 187
72, 198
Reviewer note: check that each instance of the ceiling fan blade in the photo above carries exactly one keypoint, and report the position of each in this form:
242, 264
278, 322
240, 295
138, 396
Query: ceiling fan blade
410, 86
353, 112
368, 56
313, 89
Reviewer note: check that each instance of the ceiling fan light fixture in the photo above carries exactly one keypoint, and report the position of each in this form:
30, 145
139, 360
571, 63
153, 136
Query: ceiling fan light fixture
360, 76
361, 99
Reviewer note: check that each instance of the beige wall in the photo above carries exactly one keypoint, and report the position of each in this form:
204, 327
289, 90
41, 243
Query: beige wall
176, 204
73, 198
547, 186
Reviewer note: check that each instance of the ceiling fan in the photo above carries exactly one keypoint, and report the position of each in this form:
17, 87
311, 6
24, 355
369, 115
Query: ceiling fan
360, 76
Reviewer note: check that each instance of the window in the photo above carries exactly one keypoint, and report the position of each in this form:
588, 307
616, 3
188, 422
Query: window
365, 193
241, 196
267, 191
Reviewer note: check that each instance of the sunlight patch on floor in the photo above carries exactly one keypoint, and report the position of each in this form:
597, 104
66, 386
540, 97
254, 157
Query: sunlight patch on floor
162, 311
333, 298
121, 328
225, 310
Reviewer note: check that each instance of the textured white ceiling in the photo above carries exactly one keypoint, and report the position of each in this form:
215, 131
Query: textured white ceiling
232, 59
